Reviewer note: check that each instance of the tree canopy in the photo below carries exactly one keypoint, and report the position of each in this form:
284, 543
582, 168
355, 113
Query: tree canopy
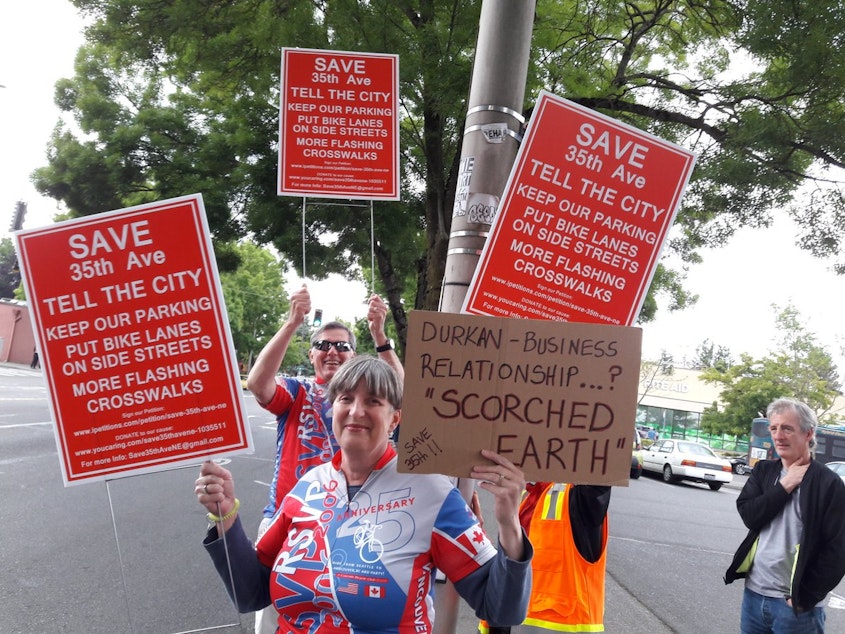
181, 97
711, 355
798, 367
10, 275
255, 300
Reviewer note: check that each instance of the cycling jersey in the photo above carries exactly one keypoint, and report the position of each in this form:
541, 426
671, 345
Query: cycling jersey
366, 565
304, 437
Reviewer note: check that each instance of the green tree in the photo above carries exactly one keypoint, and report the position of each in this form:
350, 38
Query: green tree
10, 275
800, 368
296, 358
711, 355
255, 300
819, 382
177, 97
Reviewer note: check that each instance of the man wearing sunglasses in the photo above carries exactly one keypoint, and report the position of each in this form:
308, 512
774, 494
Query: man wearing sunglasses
304, 418
304, 436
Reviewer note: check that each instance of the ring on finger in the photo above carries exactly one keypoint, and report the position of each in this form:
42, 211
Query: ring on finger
501, 477
205, 487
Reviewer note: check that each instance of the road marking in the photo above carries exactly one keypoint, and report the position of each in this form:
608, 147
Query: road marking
28, 458
23, 425
674, 546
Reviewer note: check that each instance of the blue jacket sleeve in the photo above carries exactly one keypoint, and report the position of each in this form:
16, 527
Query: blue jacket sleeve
500, 589
248, 583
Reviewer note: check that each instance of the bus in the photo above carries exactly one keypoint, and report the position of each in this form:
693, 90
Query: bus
830, 443
760, 445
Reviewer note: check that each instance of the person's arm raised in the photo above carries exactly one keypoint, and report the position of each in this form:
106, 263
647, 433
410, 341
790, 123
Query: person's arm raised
376, 316
262, 376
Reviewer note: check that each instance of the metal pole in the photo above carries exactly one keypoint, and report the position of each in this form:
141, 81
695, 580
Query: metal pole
304, 276
491, 139
372, 251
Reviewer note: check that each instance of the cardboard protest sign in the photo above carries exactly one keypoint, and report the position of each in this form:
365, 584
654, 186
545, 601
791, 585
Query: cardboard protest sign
583, 219
134, 340
339, 125
557, 399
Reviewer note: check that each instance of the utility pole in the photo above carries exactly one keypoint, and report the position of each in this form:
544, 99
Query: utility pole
491, 139
492, 134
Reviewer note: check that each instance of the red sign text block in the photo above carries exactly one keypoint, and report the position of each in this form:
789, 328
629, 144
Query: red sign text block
339, 125
583, 218
134, 340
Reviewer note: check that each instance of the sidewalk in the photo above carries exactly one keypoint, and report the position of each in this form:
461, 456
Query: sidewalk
19, 366
624, 613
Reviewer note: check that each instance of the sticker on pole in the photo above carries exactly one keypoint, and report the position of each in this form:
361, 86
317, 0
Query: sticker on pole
339, 125
134, 340
584, 215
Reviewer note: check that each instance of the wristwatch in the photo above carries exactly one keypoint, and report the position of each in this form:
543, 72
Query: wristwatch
386, 347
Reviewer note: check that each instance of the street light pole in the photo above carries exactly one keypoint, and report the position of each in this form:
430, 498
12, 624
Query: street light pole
491, 140
491, 137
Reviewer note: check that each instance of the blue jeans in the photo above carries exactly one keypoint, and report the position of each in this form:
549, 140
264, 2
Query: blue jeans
771, 615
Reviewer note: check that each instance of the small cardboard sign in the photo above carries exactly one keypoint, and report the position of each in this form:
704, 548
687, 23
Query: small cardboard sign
583, 218
557, 399
339, 125
134, 340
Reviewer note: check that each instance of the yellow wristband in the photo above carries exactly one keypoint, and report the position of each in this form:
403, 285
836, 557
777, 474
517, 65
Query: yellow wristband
214, 518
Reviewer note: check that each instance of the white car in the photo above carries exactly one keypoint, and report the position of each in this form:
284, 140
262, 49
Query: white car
838, 468
680, 460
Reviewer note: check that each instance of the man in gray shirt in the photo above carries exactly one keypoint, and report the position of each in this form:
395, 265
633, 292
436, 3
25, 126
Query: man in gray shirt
794, 508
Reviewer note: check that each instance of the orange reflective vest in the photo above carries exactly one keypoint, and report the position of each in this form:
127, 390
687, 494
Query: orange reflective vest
567, 591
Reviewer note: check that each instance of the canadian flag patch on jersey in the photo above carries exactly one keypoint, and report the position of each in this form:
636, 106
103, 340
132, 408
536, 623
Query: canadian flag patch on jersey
473, 539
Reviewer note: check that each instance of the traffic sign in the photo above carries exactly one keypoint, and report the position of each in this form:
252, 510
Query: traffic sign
339, 125
134, 340
584, 215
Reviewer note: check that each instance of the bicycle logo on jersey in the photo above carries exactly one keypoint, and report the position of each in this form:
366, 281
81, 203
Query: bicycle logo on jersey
369, 547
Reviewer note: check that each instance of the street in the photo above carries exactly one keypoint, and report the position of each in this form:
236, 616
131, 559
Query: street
125, 556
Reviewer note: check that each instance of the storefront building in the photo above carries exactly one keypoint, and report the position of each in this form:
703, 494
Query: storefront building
671, 403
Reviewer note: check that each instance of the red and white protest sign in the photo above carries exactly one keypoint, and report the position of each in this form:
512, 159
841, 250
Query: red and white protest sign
583, 218
339, 125
134, 340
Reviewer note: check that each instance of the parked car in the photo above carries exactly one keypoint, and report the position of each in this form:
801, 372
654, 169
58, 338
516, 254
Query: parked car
637, 457
739, 465
643, 429
680, 460
838, 468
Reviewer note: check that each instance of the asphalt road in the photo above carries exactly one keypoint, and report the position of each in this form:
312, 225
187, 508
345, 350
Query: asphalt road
124, 556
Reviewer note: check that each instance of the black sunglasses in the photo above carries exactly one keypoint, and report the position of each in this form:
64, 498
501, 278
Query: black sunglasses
325, 346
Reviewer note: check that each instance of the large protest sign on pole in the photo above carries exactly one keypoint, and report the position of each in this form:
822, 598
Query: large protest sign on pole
339, 125
583, 219
134, 340
557, 399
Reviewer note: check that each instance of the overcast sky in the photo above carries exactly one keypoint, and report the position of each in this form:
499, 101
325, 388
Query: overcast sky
38, 41
737, 284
